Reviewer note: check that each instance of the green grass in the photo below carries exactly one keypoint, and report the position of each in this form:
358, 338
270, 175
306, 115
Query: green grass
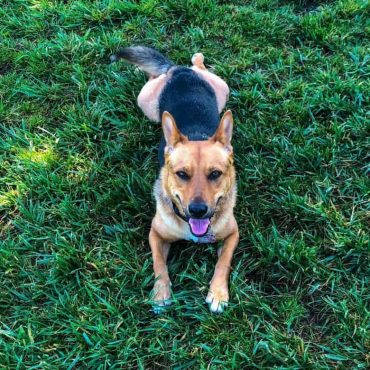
78, 161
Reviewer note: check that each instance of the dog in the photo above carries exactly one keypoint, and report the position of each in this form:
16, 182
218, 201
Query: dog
196, 189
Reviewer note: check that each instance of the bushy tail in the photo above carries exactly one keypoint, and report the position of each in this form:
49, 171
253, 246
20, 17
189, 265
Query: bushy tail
149, 60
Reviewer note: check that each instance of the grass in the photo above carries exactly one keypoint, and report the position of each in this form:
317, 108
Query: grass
78, 161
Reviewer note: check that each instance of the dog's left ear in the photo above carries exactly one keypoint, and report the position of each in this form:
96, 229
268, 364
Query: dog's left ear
224, 131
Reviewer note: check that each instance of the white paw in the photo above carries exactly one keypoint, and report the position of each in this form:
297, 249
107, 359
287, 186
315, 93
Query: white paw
217, 300
161, 296
160, 306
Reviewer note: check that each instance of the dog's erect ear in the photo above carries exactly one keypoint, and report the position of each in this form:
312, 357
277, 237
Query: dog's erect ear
170, 131
224, 131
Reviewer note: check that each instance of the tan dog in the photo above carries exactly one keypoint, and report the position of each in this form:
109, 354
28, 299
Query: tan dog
196, 190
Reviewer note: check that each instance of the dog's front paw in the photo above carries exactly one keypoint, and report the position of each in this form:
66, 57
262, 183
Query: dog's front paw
161, 296
217, 299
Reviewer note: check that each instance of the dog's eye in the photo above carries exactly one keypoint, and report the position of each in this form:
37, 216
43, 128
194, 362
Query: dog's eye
183, 175
214, 175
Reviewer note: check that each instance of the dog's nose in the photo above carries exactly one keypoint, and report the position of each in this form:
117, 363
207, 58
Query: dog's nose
198, 209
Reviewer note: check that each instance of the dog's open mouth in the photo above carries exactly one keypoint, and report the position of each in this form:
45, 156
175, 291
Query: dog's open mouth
199, 227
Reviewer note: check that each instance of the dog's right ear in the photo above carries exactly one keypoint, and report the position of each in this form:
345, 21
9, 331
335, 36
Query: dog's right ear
171, 133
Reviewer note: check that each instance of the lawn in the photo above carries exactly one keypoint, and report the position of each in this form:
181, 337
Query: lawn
78, 160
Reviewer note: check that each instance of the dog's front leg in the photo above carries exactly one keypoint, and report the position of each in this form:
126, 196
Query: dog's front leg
162, 284
218, 295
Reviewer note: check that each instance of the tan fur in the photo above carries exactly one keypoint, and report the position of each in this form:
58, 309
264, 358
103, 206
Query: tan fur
198, 159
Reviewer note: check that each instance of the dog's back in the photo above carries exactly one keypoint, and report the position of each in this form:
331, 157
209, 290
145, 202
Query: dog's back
192, 103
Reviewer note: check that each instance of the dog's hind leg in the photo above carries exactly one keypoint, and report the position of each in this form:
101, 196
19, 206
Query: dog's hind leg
148, 99
218, 84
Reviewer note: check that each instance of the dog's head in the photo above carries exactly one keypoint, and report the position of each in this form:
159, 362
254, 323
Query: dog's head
198, 175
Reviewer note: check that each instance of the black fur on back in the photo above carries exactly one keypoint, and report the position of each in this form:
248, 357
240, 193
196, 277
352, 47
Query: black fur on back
192, 103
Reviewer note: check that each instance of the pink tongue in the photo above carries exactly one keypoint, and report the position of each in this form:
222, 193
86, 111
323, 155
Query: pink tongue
199, 227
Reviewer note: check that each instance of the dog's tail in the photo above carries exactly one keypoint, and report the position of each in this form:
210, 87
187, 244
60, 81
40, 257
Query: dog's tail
149, 60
